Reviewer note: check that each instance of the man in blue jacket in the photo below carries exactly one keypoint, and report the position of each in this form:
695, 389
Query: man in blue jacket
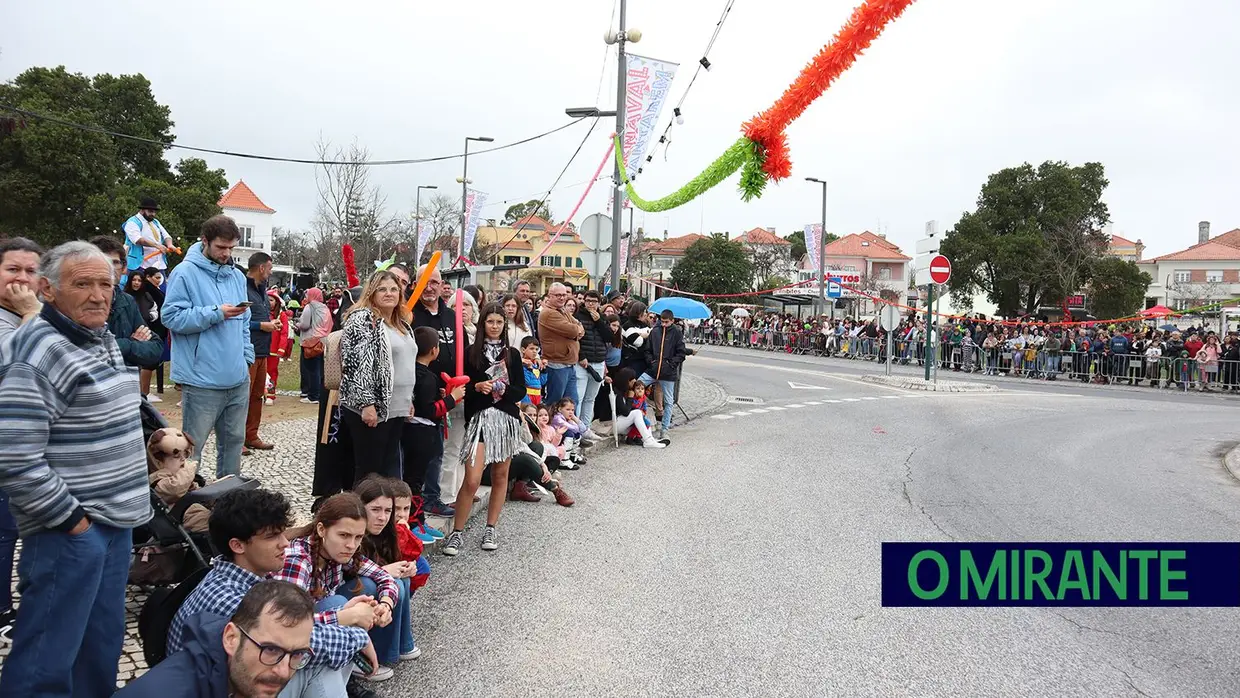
208, 316
139, 346
253, 654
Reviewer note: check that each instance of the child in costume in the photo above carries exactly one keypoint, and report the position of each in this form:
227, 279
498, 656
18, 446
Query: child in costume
172, 476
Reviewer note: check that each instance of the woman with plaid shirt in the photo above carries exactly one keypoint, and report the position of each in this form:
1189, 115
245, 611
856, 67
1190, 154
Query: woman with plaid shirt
320, 557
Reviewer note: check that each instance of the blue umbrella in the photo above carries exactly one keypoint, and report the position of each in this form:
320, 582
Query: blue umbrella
682, 308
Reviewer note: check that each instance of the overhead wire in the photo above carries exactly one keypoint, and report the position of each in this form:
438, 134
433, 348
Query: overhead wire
272, 158
703, 64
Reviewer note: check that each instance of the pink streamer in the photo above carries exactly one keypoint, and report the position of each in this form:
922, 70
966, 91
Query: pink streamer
584, 194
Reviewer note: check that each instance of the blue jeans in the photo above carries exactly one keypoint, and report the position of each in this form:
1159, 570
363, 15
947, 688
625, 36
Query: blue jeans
561, 382
311, 376
71, 621
387, 639
587, 390
8, 545
222, 410
669, 397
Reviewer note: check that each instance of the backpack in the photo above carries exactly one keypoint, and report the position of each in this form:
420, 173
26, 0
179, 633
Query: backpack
157, 613
331, 360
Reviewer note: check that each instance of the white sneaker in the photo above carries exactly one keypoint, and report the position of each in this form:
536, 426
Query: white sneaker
651, 443
269, 401
154, 398
383, 673
590, 435
411, 655
308, 401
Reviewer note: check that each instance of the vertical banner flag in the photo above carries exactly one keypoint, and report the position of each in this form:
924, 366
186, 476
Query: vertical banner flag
813, 244
623, 260
647, 83
424, 235
474, 201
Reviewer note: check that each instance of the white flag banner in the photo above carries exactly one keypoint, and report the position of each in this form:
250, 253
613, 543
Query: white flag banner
647, 84
474, 201
425, 228
624, 253
813, 245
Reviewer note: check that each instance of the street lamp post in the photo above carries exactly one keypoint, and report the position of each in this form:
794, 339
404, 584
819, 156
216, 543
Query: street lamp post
465, 190
822, 250
417, 223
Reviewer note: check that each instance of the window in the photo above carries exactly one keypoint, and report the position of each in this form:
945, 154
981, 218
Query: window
510, 259
579, 264
1183, 304
1183, 276
247, 236
1214, 277
556, 261
850, 268
884, 273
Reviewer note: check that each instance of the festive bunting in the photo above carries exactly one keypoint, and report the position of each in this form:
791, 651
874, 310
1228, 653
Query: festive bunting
762, 155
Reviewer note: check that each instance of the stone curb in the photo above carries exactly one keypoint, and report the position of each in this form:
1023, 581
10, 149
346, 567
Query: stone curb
1231, 463
907, 383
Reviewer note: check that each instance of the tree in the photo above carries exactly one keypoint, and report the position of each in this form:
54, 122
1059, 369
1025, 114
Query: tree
532, 207
713, 265
444, 214
1117, 288
798, 243
60, 182
767, 260
1034, 236
351, 210
770, 282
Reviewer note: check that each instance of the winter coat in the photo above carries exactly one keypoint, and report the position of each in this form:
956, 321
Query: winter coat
476, 402
633, 352
366, 363
260, 312
198, 670
208, 351
665, 352
443, 322
593, 344
123, 320
558, 335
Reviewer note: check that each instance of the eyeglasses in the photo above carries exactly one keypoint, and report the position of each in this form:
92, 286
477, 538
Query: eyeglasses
272, 655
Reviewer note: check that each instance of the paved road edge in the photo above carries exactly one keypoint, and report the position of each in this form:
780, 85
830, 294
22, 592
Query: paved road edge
1231, 463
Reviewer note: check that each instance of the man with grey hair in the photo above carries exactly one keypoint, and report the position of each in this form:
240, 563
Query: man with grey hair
559, 334
74, 467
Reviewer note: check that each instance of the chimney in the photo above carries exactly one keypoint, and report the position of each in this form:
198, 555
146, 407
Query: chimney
1203, 232
770, 229
665, 234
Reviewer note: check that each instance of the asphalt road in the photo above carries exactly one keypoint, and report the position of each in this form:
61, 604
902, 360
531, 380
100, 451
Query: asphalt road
744, 560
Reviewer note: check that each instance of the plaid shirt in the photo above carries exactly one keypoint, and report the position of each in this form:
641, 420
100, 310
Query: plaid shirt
221, 592
299, 569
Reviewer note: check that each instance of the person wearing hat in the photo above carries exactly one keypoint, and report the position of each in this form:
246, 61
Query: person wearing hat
146, 241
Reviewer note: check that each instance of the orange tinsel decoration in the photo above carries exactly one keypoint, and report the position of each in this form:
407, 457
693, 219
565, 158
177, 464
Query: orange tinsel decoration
767, 128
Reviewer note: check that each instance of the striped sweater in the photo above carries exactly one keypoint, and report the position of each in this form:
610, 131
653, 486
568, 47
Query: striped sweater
71, 428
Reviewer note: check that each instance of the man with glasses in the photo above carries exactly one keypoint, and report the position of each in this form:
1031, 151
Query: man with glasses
522, 291
255, 653
558, 335
248, 528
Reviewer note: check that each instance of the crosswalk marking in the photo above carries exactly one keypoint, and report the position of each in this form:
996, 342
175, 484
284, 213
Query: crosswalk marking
814, 403
777, 408
739, 414
891, 397
870, 397
852, 399
757, 411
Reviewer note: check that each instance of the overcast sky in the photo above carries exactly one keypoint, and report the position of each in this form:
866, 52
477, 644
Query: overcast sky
953, 91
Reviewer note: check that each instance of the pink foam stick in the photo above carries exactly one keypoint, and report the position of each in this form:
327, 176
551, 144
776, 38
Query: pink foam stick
460, 334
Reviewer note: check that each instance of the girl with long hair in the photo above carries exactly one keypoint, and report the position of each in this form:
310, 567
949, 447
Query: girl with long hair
323, 554
378, 365
493, 432
144, 285
394, 642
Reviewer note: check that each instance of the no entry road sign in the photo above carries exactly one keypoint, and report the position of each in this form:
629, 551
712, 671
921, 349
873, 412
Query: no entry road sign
940, 269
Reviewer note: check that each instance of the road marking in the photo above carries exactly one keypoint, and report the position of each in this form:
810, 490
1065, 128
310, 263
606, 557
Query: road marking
869, 398
777, 408
795, 406
758, 411
803, 386
813, 402
739, 414
891, 397
832, 401
722, 416
852, 399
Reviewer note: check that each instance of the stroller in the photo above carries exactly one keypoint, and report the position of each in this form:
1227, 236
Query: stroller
164, 551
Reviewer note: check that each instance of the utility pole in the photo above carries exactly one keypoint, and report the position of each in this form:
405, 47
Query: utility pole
617, 199
822, 250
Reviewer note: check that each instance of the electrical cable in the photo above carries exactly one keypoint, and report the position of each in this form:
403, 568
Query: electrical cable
272, 158
527, 197
703, 62
548, 194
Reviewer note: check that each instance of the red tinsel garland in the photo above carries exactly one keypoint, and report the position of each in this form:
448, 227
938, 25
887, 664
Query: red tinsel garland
350, 266
767, 128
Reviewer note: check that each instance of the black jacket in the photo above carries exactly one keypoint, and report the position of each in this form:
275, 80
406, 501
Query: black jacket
260, 312
123, 320
476, 402
445, 324
427, 402
665, 352
633, 351
593, 344
198, 670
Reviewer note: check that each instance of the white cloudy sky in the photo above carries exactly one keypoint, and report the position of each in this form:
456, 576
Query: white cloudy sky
953, 91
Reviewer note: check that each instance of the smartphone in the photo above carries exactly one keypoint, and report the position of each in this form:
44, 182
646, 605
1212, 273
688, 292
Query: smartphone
245, 304
362, 663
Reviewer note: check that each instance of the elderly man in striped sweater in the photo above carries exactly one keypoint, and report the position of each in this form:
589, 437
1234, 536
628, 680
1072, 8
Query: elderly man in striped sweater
74, 468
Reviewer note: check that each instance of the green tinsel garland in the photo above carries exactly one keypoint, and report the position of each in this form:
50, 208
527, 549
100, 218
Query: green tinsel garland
743, 153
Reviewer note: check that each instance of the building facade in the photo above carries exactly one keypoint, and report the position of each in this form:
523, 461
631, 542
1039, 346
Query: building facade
254, 218
1204, 273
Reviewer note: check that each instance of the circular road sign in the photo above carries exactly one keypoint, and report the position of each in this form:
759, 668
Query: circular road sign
940, 269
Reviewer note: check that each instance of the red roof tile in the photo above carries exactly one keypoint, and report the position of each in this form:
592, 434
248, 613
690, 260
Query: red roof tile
762, 236
532, 222
867, 245
1230, 238
242, 197
1117, 241
1204, 251
676, 245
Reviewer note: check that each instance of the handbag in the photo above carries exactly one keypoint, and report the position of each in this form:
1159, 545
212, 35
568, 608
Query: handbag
311, 351
332, 365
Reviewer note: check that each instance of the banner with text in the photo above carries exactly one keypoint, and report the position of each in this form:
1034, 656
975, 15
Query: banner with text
474, 201
813, 244
424, 235
647, 84
623, 261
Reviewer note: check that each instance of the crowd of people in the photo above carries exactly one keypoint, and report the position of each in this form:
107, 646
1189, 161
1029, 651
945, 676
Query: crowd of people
1135, 353
321, 610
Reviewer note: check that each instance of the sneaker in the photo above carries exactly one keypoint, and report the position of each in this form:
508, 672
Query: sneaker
269, 401
665, 441
438, 508
591, 436
488, 539
432, 532
308, 401
426, 538
383, 673
411, 654
455, 542
653, 444
154, 398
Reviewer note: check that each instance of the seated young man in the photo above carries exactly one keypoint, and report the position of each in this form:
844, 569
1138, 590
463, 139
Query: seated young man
248, 527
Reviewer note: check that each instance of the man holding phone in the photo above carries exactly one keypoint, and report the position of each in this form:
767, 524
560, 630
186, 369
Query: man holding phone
208, 315
261, 327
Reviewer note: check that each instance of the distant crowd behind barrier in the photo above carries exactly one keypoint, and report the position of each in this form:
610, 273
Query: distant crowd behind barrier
1132, 354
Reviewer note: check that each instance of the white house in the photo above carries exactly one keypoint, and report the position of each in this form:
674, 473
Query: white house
253, 217
1204, 273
